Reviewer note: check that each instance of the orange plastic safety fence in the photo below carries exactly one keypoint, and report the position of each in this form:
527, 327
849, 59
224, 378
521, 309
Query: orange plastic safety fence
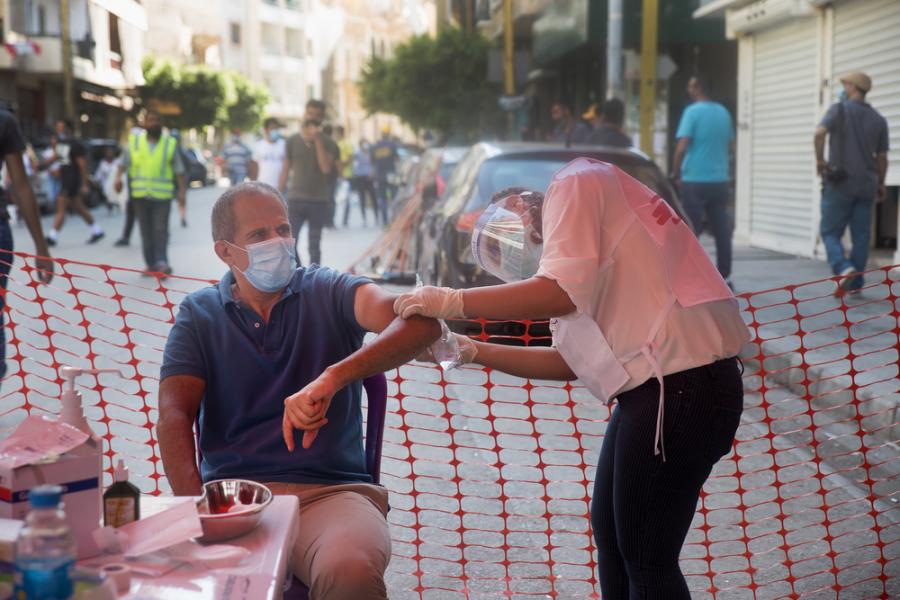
491, 475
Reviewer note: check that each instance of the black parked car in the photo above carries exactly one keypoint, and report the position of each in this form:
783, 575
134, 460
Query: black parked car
445, 256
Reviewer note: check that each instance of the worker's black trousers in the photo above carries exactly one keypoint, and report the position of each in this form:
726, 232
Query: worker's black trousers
643, 506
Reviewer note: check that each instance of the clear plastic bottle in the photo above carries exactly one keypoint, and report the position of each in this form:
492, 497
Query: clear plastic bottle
45, 549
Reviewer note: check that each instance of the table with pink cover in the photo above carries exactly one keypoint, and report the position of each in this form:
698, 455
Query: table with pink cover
259, 576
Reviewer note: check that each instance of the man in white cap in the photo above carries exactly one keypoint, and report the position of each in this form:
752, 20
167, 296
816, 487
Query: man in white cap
852, 177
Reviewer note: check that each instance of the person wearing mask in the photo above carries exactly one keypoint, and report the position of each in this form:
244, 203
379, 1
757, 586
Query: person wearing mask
567, 129
309, 160
608, 121
384, 161
639, 315
268, 154
12, 145
241, 358
361, 183
74, 181
156, 174
852, 177
237, 157
701, 170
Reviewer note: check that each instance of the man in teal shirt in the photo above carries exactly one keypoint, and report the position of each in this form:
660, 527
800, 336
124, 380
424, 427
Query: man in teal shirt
701, 168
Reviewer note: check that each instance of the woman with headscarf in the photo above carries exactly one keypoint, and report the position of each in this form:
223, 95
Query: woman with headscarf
641, 316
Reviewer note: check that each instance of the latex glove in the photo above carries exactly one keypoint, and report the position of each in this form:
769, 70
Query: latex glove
467, 351
430, 301
306, 410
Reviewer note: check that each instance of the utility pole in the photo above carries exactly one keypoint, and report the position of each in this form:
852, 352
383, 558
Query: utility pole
615, 87
650, 25
68, 78
509, 65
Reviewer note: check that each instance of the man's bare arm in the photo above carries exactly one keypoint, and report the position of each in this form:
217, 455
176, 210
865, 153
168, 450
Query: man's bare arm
326, 161
819, 145
253, 170
282, 179
179, 402
680, 151
28, 208
398, 341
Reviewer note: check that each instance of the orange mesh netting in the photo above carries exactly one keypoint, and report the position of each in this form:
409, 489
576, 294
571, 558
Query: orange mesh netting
490, 475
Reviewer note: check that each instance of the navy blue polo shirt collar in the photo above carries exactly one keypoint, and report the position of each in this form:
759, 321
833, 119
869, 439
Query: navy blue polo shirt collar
227, 281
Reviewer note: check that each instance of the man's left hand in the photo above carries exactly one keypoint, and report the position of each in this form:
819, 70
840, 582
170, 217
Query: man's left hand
307, 409
882, 193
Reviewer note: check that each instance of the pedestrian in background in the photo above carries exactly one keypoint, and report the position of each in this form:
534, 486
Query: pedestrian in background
50, 163
701, 169
268, 154
156, 173
333, 176
852, 177
608, 120
362, 184
306, 173
237, 157
345, 146
12, 145
567, 129
384, 161
74, 179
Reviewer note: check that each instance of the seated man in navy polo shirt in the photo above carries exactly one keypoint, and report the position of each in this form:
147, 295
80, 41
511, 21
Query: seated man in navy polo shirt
271, 339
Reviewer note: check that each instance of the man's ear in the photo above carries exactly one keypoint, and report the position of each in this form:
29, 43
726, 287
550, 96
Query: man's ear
224, 252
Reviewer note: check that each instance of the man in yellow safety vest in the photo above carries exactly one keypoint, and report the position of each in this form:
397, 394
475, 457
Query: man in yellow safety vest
154, 167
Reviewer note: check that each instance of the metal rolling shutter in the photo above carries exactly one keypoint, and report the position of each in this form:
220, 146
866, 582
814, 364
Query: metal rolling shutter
783, 187
867, 38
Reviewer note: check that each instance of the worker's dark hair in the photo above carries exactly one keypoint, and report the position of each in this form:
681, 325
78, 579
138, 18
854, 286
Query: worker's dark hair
535, 202
339, 129
68, 123
613, 111
328, 130
317, 104
224, 223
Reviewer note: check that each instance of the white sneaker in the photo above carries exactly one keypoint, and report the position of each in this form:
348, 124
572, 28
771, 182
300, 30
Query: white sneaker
847, 277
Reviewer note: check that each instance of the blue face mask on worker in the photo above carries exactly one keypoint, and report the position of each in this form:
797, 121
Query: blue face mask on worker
273, 136
272, 263
842, 95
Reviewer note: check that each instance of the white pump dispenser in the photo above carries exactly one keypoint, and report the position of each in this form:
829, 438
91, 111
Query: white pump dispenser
72, 410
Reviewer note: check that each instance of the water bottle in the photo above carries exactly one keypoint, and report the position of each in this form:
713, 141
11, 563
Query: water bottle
45, 549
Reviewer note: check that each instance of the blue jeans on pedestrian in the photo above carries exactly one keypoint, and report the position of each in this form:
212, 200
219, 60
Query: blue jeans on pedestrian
153, 220
6, 260
840, 210
706, 205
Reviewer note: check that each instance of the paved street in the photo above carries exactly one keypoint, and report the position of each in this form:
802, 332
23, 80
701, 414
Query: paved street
190, 250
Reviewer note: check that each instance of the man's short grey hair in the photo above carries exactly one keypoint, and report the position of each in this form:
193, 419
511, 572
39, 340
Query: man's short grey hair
224, 223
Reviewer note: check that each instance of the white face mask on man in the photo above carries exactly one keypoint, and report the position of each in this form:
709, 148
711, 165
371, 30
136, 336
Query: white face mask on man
272, 263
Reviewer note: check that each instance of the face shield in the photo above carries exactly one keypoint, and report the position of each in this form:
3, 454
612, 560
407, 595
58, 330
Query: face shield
505, 242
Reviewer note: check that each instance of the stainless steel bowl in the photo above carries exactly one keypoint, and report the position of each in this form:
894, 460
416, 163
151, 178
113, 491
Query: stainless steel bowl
218, 496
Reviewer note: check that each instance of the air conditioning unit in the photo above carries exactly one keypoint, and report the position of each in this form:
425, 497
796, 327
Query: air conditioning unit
766, 13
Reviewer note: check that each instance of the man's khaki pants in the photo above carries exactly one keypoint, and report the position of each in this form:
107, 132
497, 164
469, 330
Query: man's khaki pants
344, 544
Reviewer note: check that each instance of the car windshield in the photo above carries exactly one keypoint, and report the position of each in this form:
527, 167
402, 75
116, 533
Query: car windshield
535, 173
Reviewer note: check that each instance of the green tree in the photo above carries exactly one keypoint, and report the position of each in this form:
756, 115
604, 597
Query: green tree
196, 90
436, 83
245, 104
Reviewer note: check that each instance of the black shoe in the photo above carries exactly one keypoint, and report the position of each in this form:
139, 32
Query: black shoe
50, 241
121, 243
164, 268
96, 237
184, 223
